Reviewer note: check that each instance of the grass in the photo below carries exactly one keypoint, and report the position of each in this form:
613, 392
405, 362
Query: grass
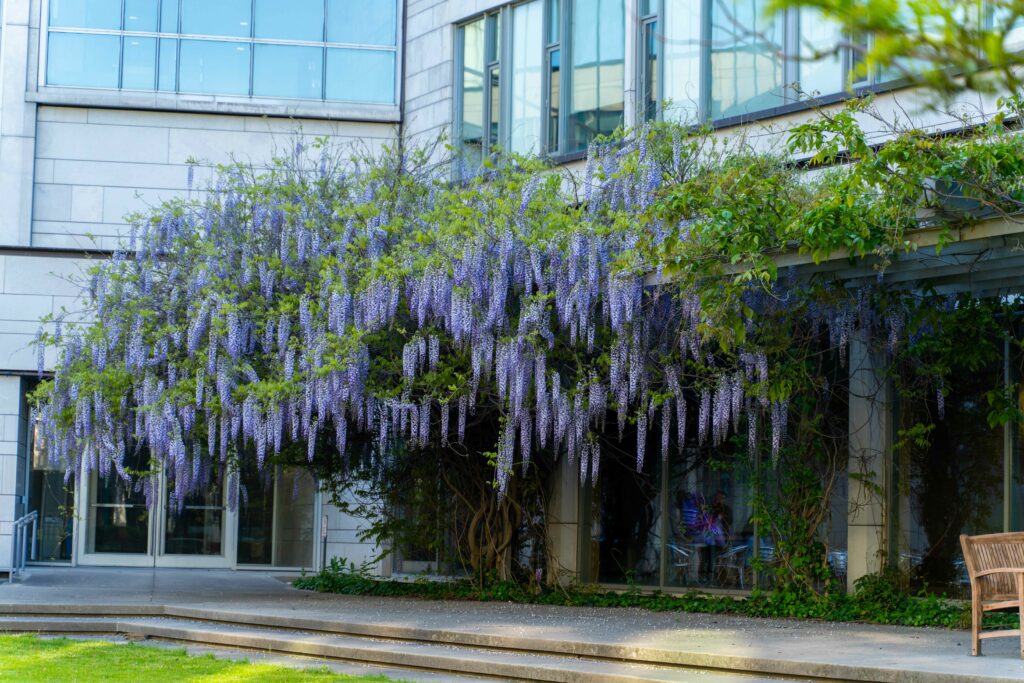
30, 659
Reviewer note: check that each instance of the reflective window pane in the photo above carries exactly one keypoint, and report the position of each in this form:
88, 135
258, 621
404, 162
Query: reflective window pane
168, 77
554, 97
746, 58
361, 75
681, 55
288, 71
471, 116
554, 21
527, 70
294, 20
118, 516
220, 18
208, 66
90, 61
195, 522
361, 22
140, 15
651, 54
821, 64
139, 63
598, 78
169, 16
105, 14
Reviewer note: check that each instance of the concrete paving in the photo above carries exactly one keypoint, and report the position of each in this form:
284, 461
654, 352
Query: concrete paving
791, 649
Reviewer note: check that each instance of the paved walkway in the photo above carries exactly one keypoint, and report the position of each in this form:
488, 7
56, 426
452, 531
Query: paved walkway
794, 649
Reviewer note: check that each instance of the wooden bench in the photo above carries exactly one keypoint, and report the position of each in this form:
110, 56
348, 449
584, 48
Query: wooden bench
995, 564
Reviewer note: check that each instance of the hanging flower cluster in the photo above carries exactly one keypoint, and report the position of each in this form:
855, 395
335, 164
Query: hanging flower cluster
285, 308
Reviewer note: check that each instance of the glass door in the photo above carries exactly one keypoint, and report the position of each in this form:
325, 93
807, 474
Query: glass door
118, 521
275, 517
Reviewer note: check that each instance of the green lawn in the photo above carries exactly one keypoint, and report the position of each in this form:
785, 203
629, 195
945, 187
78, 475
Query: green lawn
30, 659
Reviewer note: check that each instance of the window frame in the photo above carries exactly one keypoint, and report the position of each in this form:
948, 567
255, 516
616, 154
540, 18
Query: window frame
60, 94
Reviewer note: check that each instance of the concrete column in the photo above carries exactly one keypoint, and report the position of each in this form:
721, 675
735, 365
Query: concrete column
11, 487
871, 417
564, 524
17, 121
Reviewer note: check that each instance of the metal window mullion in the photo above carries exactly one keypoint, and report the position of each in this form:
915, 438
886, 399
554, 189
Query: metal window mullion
504, 57
660, 94
323, 53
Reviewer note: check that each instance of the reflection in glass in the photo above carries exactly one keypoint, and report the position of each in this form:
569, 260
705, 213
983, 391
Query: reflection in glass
649, 97
275, 517
746, 58
54, 499
195, 523
294, 20
954, 485
625, 520
554, 97
221, 18
681, 54
472, 115
598, 78
101, 14
362, 22
139, 63
711, 534
214, 67
361, 75
494, 107
288, 71
821, 65
90, 61
140, 15
118, 516
554, 21
527, 71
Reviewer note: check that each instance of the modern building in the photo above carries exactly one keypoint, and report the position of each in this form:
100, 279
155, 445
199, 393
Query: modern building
104, 103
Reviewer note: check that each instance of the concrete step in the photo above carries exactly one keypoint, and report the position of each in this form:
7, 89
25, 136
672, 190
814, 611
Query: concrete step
496, 663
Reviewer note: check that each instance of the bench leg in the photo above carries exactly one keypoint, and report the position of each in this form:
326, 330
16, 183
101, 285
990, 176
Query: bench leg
976, 616
1020, 610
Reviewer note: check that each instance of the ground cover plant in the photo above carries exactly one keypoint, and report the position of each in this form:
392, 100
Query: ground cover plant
421, 335
876, 600
31, 659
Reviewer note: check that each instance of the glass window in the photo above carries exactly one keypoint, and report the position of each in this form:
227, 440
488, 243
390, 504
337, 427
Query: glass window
168, 77
195, 524
54, 500
90, 61
821, 64
361, 75
527, 70
118, 515
554, 97
651, 69
139, 63
554, 21
294, 20
597, 80
471, 115
220, 18
275, 517
169, 16
140, 15
288, 71
360, 22
208, 66
746, 58
681, 55
102, 14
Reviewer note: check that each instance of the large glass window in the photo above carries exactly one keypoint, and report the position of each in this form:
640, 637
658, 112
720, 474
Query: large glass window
53, 497
339, 50
681, 30
597, 85
118, 515
527, 77
746, 58
471, 114
275, 517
